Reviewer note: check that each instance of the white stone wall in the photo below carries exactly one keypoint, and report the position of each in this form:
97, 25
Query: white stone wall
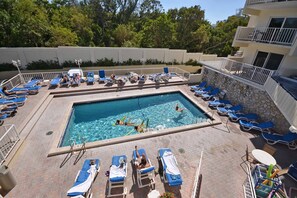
63, 53
252, 99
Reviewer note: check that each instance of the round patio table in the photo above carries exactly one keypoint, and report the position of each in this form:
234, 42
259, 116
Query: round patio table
263, 157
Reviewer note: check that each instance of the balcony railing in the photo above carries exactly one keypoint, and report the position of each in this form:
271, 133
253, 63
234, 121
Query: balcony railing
241, 70
252, 2
280, 36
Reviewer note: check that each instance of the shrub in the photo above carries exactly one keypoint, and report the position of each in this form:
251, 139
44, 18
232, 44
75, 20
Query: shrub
7, 67
193, 63
153, 62
106, 62
36, 65
69, 64
132, 62
167, 195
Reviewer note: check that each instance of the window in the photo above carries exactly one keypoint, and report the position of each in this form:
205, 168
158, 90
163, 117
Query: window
268, 60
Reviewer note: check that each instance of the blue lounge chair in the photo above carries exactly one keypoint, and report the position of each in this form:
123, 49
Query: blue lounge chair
32, 83
118, 175
210, 95
203, 91
166, 72
288, 139
90, 78
218, 103
198, 87
234, 117
145, 175
18, 101
29, 89
171, 174
102, 77
84, 179
2, 118
55, 82
292, 172
264, 126
142, 79
225, 110
75, 80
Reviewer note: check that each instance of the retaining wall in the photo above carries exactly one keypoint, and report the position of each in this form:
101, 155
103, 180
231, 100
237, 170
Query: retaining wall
252, 99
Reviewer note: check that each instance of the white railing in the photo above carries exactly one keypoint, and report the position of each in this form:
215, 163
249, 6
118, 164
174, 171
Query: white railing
198, 179
9, 138
251, 2
284, 101
280, 36
108, 72
246, 71
248, 185
13, 82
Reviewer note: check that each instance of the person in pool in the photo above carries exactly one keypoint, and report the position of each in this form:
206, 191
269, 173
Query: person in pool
122, 122
140, 128
178, 109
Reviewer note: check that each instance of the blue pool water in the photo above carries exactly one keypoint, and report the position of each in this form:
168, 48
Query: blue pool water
91, 122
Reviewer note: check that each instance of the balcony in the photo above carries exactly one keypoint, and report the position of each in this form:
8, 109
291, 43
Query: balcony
254, 6
247, 73
252, 2
267, 35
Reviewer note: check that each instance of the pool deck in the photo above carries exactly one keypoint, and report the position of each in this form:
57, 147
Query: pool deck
38, 175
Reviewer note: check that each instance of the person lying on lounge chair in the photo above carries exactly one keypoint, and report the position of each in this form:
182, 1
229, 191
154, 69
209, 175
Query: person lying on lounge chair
113, 77
65, 79
178, 109
9, 93
141, 161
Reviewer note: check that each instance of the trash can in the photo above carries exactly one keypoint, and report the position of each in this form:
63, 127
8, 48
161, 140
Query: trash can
7, 181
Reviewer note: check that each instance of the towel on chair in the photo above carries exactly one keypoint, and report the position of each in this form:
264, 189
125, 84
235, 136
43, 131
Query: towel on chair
84, 187
171, 165
117, 171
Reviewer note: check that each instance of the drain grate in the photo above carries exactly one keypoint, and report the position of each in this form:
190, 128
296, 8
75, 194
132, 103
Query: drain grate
181, 150
49, 132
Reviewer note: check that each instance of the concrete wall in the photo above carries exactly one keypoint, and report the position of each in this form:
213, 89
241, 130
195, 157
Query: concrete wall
62, 54
252, 99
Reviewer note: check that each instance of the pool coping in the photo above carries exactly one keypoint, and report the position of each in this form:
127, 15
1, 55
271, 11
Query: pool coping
56, 150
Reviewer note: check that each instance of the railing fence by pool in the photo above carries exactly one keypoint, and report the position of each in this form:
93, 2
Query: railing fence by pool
251, 2
198, 179
280, 36
248, 185
246, 71
108, 72
8, 140
13, 82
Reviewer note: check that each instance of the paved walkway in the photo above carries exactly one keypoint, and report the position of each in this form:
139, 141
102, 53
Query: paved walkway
40, 176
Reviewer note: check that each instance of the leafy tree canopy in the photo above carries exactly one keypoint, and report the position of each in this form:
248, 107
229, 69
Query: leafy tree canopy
122, 23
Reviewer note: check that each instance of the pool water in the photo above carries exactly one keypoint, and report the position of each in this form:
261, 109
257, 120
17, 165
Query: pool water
91, 122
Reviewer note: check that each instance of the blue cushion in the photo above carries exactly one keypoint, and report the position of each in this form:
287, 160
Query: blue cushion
116, 159
147, 170
117, 179
140, 151
83, 176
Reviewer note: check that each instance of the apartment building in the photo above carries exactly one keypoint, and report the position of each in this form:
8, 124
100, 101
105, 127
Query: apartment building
267, 58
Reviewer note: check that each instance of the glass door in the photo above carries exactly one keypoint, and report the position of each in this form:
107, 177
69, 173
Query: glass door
260, 59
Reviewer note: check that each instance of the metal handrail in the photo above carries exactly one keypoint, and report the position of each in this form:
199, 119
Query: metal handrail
12, 82
8, 140
196, 190
250, 181
270, 35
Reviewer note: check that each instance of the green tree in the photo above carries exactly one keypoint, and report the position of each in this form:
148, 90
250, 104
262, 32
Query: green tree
30, 24
61, 36
158, 33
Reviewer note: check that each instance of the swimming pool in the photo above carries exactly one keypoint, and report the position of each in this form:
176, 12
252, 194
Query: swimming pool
91, 122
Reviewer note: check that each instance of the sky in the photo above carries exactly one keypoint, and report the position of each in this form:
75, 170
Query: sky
215, 10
